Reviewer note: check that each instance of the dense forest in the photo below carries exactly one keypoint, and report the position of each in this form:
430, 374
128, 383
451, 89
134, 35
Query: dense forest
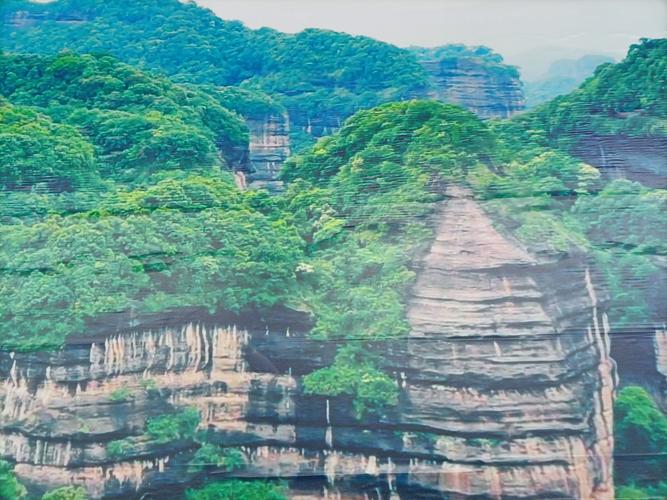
320, 76
118, 140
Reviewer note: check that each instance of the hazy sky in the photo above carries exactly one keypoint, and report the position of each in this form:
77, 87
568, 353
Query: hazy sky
528, 33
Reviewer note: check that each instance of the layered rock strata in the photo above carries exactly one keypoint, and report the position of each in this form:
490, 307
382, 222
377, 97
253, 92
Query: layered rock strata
510, 351
487, 92
268, 149
506, 388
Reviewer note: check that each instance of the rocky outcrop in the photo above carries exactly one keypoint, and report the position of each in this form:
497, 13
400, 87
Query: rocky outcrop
660, 350
509, 354
268, 149
505, 378
641, 159
487, 91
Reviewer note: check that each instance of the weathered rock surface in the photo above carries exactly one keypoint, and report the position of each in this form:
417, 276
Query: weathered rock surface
269, 148
510, 352
470, 84
506, 391
641, 159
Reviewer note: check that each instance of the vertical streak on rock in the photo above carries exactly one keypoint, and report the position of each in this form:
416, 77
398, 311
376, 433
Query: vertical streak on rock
269, 148
660, 349
603, 419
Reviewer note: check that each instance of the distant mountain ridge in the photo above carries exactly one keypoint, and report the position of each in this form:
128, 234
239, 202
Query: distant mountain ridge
320, 76
562, 77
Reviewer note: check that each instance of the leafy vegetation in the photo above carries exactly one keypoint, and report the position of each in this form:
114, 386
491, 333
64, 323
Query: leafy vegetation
315, 74
354, 374
36, 151
640, 430
633, 492
210, 456
119, 448
238, 490
120, 394
66, 493
10, 488
180, 425
626, 227
138, 123
626, 98
458, 54
195, 241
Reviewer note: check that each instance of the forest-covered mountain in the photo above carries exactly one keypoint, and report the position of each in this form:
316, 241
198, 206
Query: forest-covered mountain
430, 296
322, 77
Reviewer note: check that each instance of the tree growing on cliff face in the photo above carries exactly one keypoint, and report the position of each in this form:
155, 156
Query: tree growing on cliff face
640, 431
66, 493
238, 490
10, 488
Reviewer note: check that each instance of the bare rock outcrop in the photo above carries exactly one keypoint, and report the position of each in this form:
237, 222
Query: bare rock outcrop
510, 352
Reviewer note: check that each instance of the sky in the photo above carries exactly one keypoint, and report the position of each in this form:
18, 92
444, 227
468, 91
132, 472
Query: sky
528, 33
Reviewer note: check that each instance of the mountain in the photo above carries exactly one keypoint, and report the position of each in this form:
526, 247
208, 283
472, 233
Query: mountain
475, 78
320, 76
562, 77
617, 119
430, 305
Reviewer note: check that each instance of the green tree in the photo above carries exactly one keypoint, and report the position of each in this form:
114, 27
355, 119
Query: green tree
66, 493
238, 490
640, 429
10, 488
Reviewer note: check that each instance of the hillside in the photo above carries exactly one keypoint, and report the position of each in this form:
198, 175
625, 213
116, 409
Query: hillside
322, 77
627, 98
430, 299
139, 123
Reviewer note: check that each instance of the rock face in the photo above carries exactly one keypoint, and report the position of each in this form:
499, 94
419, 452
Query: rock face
660, 347
269, 148
506, 391
508, 354
484, 91
641, 159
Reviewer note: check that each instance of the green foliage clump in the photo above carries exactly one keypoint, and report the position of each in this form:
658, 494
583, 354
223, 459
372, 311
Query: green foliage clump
35, 150
138, 123
195, 241
120, 394
238, 490
633, 492
353, 374
119, 448
66, 493
626, 226
640, 429
180, 425
10, 488
210, 456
